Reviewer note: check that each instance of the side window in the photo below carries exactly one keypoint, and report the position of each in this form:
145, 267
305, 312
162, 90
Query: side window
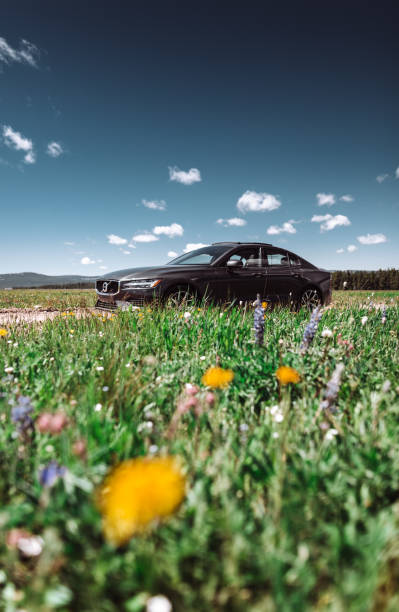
277, 259
250, 257
294, 261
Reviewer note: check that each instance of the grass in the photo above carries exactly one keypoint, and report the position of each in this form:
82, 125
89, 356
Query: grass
301, 514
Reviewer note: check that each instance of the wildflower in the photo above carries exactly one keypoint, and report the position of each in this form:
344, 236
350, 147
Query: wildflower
138, 492
286, 375
30, 546
58, 422
217, 377
311, 328
346, 343
202, 358
275, 434
386, 386
364, 320
331, 392
20, 414
383, 316
99, 368
79, 448
244, 427
159, 603
43, 422
187, 315
3, 332
264, 305
105, 388
9, 370
153, 448
49, 475
279, 417
326, 333
330, 433
210, 398
191, 389
98, 407
259, 322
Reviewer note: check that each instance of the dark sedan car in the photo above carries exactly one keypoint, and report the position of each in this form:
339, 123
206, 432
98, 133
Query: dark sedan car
221, 272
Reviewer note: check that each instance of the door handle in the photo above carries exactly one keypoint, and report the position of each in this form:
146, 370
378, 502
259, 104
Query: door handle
295, 274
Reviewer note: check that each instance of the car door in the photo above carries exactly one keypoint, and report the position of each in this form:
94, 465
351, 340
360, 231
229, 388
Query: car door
244, 281
283, 282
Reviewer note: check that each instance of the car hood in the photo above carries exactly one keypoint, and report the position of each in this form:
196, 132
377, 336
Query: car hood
152, 272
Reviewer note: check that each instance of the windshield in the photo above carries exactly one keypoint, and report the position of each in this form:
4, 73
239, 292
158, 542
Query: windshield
205, 255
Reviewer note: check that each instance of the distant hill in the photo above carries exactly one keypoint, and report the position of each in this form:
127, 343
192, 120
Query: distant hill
31, 279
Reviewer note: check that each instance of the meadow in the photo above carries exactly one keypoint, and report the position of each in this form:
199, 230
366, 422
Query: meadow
290, 496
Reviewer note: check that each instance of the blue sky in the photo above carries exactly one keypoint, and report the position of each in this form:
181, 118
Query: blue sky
128, 132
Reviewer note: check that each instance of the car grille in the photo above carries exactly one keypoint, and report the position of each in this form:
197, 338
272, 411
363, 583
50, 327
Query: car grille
138, 301
107, 287
106, 305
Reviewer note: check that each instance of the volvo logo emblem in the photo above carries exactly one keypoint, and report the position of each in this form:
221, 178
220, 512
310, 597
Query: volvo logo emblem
105, 287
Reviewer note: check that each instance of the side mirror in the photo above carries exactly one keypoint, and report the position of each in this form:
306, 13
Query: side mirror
234, 263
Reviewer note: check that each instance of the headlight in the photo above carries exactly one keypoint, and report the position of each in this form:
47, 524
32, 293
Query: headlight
141, 284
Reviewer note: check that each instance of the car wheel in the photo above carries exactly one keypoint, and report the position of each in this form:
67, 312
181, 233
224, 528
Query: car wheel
179, 296
310, 299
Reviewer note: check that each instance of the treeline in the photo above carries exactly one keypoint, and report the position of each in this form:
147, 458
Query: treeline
60, 286
366, 279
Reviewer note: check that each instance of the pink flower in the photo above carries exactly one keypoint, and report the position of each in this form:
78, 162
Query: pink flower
210, 398
58, 422
43, 422
191, 389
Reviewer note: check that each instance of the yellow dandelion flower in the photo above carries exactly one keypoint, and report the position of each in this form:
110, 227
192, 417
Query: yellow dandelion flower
3, 332
217, 377
63, 314
71, 314
264, 304
71, 331
286, 375
138, 492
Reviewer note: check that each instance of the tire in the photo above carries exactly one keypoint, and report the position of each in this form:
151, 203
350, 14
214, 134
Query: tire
310, 299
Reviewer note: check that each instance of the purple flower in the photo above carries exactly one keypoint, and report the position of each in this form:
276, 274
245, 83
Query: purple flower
49, 475
20, 414
259, 321
311, 328
331, 392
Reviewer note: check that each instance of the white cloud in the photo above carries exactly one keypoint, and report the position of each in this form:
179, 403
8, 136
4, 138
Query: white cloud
187, 178
397, 173
329, 222
114, 239
147, 237
86, 261
191, 246
381, 178
125, 252
69, 243
173, 230
340, 250
287, 227
351, 248
372, 239
154, 204
172, 254
15, 140
103, 267
54, 149
233, 222
325, 199
347, 198
252, 201
27, 53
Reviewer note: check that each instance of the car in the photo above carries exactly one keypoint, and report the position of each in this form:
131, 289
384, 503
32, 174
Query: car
221, 272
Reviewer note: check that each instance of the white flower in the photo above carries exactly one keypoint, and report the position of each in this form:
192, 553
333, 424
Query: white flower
326, 333
8, 370
202, 358
98, 407
244, 427
274, 409
275, 435
364, 320
31, 546
105, 388
331, 433
279, 417
386, 386
99, 368
153, 449
101, 334
187, 315
158, 603
127, 365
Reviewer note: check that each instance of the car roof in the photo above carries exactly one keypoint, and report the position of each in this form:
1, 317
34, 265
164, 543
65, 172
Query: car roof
244, 243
